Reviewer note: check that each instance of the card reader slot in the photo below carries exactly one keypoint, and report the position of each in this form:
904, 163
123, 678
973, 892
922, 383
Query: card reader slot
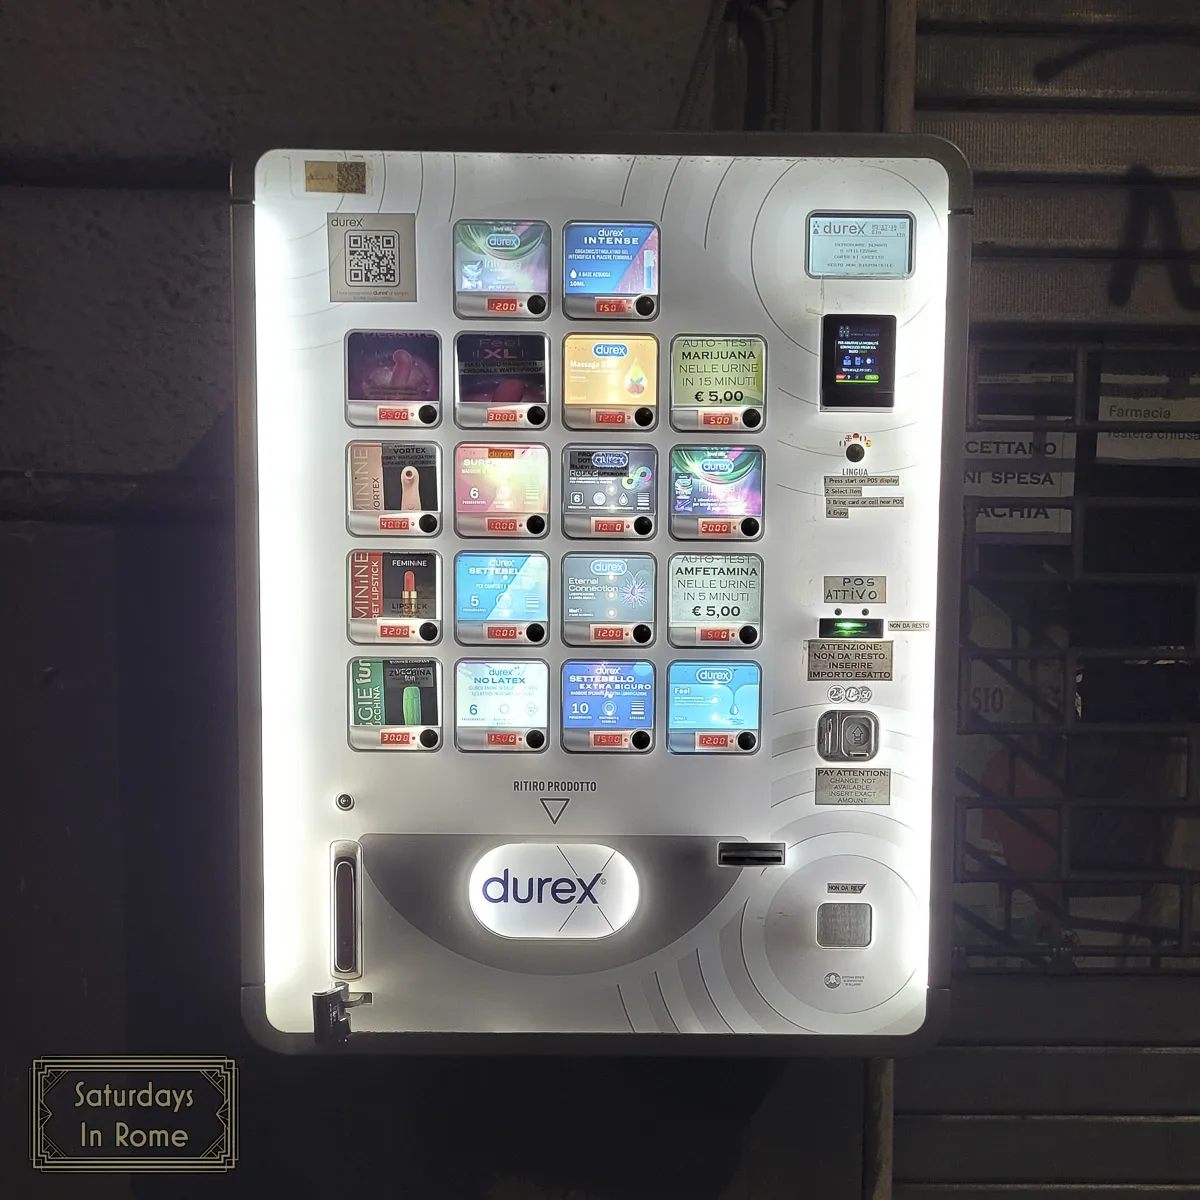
751, 854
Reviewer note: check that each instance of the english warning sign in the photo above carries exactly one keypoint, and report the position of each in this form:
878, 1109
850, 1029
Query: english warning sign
831, 659
854, 785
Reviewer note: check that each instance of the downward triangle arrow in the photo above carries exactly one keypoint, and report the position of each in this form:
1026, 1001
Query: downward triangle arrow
554, 808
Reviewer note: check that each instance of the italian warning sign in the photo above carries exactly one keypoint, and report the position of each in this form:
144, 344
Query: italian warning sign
831, 659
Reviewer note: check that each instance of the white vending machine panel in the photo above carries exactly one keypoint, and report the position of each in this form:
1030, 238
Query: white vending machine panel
598, 535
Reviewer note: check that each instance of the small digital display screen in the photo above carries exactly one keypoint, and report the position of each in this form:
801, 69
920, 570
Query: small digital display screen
608, 479
858, 361
501, 479
500, 370
713, 696
502, 257
608, 695
716, 481
858, 351
608, 589
849, 245
610, 259
502, 694
501, 587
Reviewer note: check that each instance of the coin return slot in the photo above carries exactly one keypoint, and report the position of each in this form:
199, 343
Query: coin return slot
345, 916
751, 854
843, 926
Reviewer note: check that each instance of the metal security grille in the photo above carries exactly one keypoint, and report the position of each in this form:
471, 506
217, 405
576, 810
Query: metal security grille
1077, 840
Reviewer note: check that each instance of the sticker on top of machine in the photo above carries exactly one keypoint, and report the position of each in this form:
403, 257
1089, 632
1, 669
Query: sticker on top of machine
607, 706
395, 703
501, 490
718, 382
610, 382
500, 380
608, 599
372, 256
393, 377
715, 600
502, 269
501, 704
395, 596
610, 270
716, 492
859, 245
501, 599
609, 491
713, 707
393, 488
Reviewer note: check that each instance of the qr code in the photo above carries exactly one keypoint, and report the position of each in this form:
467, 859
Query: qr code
373, 259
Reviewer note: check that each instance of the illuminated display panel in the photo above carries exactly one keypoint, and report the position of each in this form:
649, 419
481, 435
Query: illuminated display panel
640, 663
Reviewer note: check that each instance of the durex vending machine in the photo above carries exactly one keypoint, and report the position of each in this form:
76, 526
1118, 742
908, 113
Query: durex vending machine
599, 531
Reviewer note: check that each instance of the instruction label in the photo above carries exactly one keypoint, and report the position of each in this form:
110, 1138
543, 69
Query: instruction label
853, 785
855, 589
831, 659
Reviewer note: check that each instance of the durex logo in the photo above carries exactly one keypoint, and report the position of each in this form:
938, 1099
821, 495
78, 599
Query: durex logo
503, 241
610, 349
610, 458
553, 890
714, 675
716, 466
608, 566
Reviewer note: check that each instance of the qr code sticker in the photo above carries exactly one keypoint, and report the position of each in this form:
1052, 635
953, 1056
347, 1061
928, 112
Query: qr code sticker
373, 259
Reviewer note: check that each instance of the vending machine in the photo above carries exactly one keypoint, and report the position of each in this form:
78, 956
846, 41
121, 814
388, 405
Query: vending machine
599, 527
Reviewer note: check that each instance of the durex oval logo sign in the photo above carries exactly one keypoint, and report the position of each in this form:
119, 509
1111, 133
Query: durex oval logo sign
610, 349
610, 458
553, 890
503, 241
716, 466
714, 675
608, 566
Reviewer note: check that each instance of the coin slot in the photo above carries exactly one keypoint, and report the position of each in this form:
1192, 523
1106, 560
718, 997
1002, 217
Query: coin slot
849, 736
